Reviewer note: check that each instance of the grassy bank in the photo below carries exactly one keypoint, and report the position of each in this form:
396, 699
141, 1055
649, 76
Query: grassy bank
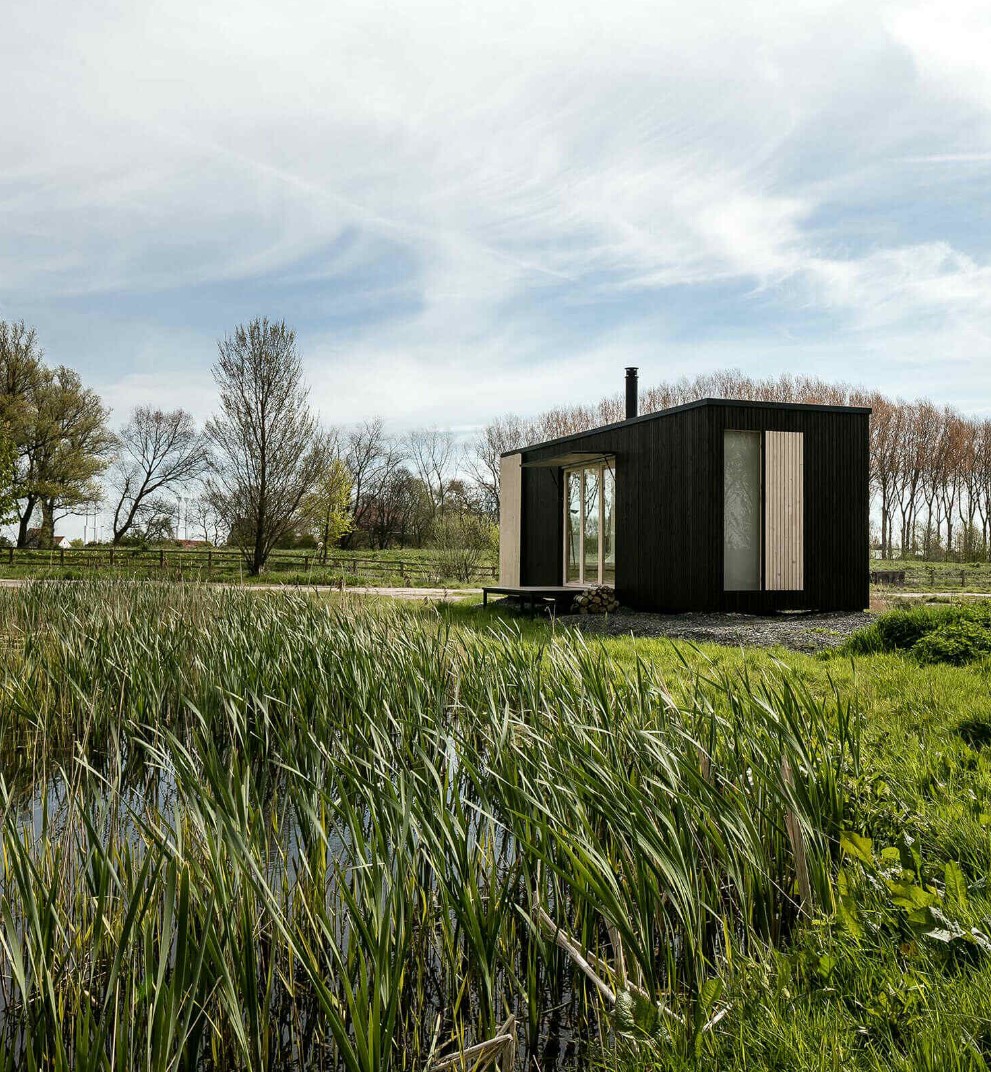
242, 831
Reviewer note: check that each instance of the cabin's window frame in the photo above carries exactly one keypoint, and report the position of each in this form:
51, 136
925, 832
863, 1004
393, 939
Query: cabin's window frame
763, 551
599, 469
757, 435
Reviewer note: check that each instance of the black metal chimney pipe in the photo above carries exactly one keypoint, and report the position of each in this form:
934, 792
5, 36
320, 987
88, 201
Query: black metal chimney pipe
632, 393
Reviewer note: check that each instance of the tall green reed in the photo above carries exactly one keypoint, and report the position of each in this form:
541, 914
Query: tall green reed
246, 831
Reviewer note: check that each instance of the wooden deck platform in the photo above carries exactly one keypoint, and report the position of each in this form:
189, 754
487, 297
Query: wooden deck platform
535, 595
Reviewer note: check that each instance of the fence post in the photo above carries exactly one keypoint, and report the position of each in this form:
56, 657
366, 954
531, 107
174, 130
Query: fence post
161, 558
61, 556
209, 561
111, 554
10, 554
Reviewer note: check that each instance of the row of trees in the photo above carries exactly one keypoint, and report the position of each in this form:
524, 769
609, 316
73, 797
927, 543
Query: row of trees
930, 465
263, 473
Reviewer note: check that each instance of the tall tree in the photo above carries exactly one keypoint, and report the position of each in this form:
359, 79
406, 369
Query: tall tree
8, 470
267, 450
58, 428
157, 451
374, 461
207, 524
22, 371
70, 449
432, 453
483, 452
327, 509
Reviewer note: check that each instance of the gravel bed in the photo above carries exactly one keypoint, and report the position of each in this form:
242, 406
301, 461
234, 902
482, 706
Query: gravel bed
806, 632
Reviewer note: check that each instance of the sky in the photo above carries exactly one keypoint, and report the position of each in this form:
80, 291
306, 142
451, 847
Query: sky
473, 207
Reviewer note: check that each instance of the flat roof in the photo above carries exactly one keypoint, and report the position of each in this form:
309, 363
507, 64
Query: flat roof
743, 403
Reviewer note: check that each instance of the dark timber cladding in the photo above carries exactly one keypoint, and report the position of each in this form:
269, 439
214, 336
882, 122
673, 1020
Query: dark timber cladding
669, 506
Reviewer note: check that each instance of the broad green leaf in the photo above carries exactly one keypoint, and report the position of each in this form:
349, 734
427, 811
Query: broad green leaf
856, 846
956, 885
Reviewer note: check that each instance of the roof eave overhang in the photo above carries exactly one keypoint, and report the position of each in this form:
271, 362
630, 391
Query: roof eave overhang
574, 457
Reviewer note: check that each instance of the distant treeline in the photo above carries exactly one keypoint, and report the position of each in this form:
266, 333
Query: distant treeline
264, 473
930, 465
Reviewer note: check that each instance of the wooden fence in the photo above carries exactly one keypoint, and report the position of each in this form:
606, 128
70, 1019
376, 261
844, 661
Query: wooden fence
210, 561
966, 577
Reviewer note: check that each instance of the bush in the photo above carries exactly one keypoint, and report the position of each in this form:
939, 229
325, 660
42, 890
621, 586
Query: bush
463, 542
956, 642
900, 630
932, 634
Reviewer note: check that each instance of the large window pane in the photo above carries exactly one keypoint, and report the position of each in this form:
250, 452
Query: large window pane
608, 526
574, 525
590, 525
741, 511
591, 575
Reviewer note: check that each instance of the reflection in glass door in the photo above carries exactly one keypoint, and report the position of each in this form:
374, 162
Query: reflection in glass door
741, 511
608, 573
590, 517
573, 527
590, 525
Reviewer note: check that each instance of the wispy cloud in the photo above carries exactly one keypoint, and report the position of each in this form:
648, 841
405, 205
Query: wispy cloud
470, 208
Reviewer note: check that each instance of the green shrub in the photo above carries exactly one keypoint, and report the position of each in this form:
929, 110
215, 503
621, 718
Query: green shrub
956, 642
902, 630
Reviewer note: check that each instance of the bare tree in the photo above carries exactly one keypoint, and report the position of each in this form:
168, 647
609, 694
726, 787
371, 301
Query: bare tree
157, 451
372, 458
206, 523
483, 452
432, 454
268, 452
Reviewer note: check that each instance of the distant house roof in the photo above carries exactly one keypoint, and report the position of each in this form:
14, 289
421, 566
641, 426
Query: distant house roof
34, 539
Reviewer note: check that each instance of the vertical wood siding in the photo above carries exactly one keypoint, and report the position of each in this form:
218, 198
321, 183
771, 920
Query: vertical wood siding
669, 509
510, 505
784, 511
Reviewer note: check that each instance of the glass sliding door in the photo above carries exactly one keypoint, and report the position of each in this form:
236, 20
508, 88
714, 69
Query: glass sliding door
608, 526
590, 515
741, 511
573, 528
590, 525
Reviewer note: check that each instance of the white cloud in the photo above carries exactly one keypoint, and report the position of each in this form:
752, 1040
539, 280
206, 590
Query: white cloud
523, 163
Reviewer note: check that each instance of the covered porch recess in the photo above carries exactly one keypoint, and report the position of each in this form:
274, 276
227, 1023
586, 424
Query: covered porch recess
534, 596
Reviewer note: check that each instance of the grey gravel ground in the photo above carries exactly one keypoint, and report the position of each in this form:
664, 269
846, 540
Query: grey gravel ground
800, 632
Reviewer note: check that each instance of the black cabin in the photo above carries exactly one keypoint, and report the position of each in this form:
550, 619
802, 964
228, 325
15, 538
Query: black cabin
717, 505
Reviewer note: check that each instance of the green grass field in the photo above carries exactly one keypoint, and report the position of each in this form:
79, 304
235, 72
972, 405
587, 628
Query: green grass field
245, 830
939, 576
392, 568
398, 568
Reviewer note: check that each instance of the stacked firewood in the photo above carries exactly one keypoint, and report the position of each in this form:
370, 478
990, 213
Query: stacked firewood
598, 600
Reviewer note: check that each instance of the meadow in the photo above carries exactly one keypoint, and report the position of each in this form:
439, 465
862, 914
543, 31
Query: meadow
409, 567
398, 567
268, 831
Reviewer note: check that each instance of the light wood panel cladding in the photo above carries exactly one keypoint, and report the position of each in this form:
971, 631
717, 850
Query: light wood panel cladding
784, 511
510, 501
